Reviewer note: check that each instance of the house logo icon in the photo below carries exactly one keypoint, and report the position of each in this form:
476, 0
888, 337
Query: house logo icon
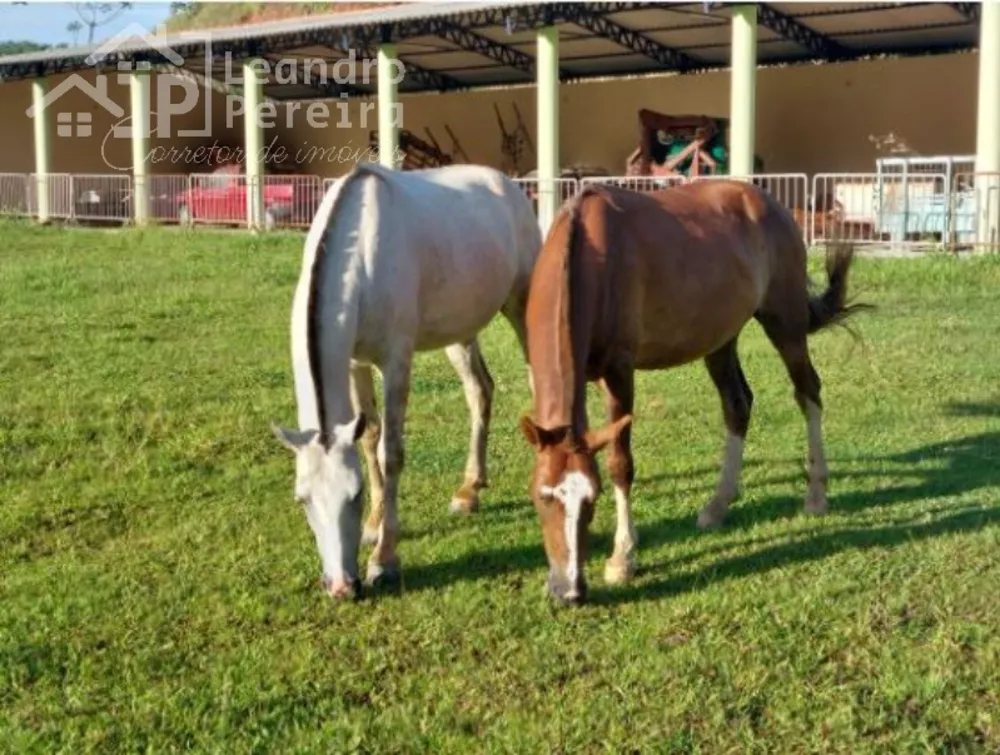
80, 123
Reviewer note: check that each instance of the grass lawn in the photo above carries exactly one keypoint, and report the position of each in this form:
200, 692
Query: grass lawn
159, 586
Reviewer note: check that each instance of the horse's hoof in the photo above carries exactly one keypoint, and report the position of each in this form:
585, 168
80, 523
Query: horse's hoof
710, 518
464, 505
618, 571
344, 590
370, 535
384, 574
816, 505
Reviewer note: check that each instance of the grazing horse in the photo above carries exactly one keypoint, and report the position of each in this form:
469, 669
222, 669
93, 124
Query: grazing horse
628, 281
396, 263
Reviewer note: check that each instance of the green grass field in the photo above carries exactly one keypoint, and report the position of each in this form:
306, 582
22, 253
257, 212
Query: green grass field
159, 587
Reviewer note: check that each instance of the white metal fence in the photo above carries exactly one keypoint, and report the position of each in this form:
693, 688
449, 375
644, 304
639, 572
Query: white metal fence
214, 199
905, 208
975, 210
101, 197
291, 201
561, 189
14, 194
634, 183
898, 210
166, 196
51, 195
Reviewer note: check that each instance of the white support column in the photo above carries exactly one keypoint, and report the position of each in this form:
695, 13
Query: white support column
139, 89
742, 90
988, 126
43, 151
388, 99
253, 141
547, 72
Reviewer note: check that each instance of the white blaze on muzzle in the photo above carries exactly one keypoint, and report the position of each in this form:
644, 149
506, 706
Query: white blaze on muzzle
572, 492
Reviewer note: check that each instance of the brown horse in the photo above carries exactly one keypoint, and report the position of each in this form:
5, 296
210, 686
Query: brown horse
628, 281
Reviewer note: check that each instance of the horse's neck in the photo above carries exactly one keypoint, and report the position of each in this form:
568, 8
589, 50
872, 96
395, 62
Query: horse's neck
337, 312
561, 385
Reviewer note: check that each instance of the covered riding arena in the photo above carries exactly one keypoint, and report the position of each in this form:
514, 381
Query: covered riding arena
160, 588
832, 106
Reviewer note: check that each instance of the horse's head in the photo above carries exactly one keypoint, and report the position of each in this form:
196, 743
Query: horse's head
564, 489
329, 485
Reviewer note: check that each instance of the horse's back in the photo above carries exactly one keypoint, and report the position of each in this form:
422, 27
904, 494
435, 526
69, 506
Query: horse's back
458, 209
450, 246
685, 267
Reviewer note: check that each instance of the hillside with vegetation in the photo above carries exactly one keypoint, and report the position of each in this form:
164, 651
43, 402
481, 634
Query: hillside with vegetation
192, 16
18, 46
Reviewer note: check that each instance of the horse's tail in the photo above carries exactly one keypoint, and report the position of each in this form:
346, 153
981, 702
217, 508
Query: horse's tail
831, 307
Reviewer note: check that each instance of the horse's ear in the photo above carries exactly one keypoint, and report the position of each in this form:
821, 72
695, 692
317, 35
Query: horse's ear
348, 433
598, 439
530, 431
295, 440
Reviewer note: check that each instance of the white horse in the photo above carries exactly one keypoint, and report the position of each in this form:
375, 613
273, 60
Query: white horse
395, 263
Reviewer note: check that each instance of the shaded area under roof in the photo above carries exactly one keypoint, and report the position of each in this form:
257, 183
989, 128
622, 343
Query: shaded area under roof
467, 45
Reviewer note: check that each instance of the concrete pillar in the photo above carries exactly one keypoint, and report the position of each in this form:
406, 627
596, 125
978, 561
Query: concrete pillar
139, 89
547, 72
43, 148
988, 126
742, 90
253, 141
388, 99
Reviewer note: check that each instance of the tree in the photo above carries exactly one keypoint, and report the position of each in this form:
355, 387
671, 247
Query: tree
94, 15
74, 28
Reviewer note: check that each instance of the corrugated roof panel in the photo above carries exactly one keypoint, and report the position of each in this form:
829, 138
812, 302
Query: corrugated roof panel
493, 75
667, 16
446, 61
902, 38
890, 18
626, 61
779, 49
691, 39
589, 46
686, 27
804, 10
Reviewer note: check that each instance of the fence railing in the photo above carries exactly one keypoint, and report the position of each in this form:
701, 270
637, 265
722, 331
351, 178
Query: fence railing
894, 210
561, 189
635, 183
14, 194
214, 199
908, 209
167, 194
975, 210
291, 201
101, 197
50, 195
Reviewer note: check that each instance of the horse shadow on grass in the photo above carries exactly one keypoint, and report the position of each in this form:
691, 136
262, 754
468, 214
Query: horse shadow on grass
960, 466
521, 509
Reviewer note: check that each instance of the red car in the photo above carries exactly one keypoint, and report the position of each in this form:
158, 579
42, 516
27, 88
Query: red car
221, 197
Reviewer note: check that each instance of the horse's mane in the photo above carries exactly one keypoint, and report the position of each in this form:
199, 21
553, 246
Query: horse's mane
564, 332
322, 218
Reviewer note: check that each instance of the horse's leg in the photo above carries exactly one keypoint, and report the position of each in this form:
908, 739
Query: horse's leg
619, 392
471, 368
384, 562
363, 400
737, 401
795, 354
789, 338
